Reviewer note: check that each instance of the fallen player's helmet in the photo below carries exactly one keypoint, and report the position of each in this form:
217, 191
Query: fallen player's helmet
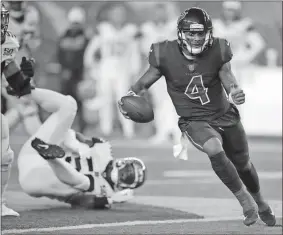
194, 28
128, 173
17, 8
4, 22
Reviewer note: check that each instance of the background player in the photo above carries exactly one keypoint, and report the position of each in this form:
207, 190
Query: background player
119, 54
20, 86
86, 175
162, 27
240, 31
24, 23
196, 68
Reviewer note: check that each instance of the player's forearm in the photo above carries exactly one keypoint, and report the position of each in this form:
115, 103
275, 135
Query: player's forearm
227, 77
14, 75
88, 201
145, 82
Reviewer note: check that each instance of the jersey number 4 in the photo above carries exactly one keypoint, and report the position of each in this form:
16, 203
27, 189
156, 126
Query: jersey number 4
196, 90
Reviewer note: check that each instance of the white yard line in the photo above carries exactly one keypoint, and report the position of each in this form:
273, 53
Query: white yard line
204, 206
119, 224
266, 175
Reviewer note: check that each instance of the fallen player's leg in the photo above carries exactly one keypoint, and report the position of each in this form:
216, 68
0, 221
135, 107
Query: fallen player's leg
236, 146
36, 175
7, 156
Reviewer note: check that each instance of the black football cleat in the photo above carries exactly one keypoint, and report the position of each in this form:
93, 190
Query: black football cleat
250, 217
268, 217
47, 151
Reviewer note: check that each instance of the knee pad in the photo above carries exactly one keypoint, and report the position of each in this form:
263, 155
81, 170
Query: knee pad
7, 159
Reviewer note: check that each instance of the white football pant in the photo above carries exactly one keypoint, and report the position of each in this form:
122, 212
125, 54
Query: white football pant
166, 119
113, 82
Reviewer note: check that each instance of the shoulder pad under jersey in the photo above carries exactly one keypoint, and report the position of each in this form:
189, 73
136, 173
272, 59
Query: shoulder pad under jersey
225, 50
156, 53
10, 47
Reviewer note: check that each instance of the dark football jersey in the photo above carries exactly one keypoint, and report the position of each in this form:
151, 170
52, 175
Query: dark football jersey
194, 85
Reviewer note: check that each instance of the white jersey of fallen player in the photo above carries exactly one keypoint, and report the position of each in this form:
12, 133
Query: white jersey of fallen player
27, 32
153, 33
90, 161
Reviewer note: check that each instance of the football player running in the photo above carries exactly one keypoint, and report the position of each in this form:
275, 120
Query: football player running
18, 77
58, 163
198, 74
24, 23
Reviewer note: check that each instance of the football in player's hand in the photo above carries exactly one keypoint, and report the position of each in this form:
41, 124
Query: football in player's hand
137, 109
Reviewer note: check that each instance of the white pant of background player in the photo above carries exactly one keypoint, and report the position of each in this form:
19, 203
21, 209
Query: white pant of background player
165, 117
53, 178
113, 82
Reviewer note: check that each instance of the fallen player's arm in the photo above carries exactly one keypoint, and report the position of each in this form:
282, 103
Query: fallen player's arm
227, 77
150, 77
88, 201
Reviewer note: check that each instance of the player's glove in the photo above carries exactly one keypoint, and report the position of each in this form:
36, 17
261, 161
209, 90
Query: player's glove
24, 89
237, 95
120, 104
27, 67
122, 196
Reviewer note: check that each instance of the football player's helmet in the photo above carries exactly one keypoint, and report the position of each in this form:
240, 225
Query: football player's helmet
128, 173
194, 29
17, 9
4, 22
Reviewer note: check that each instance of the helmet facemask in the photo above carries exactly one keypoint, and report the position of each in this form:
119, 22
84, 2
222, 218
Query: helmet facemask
4, 22
128, 173
194, 31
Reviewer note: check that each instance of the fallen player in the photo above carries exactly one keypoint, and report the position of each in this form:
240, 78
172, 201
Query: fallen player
60, 164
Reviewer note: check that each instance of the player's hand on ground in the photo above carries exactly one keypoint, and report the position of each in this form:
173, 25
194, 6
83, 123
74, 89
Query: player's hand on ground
237, 94
122, 196
120, 104
27, 67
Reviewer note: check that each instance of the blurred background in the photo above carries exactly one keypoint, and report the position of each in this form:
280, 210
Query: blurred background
94, 51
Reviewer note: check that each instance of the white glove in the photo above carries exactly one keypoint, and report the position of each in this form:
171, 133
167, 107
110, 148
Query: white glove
122, 196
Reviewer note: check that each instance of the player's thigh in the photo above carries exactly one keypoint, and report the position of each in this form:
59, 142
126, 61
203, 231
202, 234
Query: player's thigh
202, 136
38, 178
235, 144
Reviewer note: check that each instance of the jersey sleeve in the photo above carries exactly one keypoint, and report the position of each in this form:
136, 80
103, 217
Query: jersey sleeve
154, 55
226, 51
